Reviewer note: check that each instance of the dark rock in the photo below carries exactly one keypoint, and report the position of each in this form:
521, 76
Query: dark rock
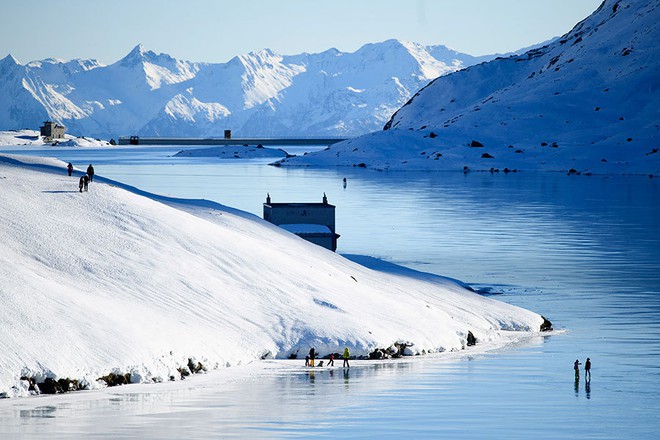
471, 340
50, 386
114, 379
546, 326
433, 135
486, 156
195, 367
476, 144
32, 383
378, 354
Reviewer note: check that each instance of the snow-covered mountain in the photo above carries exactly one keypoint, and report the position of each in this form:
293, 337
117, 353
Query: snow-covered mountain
258, 94
589, 101
116, 280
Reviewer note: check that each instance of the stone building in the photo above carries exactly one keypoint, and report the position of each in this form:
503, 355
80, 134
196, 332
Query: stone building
51, 131
314, 222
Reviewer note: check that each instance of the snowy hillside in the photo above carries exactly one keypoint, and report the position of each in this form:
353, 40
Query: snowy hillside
589, 101
117, 280
34, 138
258, 94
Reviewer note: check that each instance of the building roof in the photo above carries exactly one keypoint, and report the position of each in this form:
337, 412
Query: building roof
297, 205
306, 229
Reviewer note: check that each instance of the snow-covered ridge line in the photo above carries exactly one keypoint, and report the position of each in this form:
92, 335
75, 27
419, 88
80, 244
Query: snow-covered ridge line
256, 94
585, 103
117, 280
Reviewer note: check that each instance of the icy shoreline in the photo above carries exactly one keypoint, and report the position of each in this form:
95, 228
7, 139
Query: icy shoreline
119, 280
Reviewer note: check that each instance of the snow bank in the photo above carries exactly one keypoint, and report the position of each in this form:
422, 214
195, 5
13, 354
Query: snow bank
34, 138
118, 280
234, 152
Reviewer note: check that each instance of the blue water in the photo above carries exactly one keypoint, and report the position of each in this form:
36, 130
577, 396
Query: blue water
583, 251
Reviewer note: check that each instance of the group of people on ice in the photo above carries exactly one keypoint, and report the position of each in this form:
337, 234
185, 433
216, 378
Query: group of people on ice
309, 359
85, 179
587, 369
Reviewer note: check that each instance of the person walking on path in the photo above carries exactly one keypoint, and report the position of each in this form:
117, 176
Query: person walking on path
587, 369
69, 168
312, 355
90, 172
82, 182
576, 367
346, 355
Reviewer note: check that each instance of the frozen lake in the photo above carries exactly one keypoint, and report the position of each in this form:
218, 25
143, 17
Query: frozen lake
583, 251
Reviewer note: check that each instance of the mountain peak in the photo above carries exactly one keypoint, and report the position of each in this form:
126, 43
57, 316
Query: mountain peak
140, 55
9, 59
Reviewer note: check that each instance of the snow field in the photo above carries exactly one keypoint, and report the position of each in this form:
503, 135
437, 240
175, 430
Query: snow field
118, 280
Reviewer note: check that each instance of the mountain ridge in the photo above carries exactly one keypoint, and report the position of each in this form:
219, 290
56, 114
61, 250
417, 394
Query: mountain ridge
587, 102
260, 93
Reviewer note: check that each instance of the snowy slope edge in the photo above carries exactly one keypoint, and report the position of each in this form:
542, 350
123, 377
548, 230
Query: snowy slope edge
586, 102
119, 280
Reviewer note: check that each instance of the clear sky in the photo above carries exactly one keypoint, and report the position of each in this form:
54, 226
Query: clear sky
216, 30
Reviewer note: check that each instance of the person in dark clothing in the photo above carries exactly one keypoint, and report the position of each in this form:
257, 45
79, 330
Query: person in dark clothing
576, 367
69, 168
307, 361
90, 172
587, 369
84, 180
331, 362
312, 355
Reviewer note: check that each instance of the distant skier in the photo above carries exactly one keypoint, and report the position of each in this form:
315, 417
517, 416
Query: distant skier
576, 367
344, 182
587, 369
346, 355
90, 172
69, 168
312, 355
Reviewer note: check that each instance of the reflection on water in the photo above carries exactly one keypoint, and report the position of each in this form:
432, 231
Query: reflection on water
584, 251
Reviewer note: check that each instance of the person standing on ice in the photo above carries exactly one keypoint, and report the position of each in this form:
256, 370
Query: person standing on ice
312, 354
576, 367
346, 355
90, 172
69, 168
587, 369
331, 362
